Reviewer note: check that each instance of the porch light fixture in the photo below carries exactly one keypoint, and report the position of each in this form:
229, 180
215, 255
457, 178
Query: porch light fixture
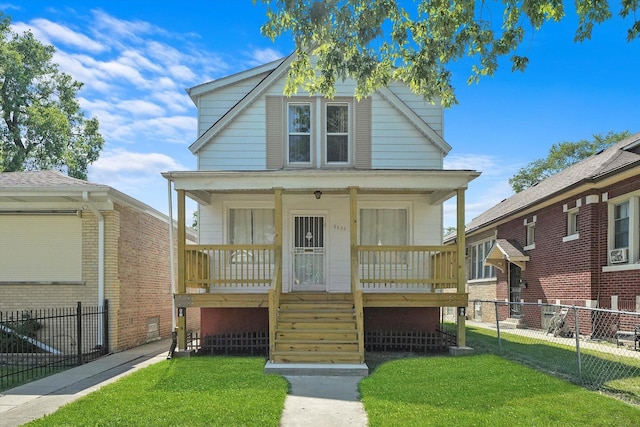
318, 194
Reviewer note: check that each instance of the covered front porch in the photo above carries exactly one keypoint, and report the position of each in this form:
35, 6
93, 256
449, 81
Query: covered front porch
275, 276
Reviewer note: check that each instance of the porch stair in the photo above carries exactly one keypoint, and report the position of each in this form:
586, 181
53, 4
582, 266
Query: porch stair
316, 329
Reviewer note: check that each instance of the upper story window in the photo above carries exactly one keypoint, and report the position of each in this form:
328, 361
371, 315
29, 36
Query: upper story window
479, 270
315, 132
337, 133
530, 229
319, 133
573, 218
299, 133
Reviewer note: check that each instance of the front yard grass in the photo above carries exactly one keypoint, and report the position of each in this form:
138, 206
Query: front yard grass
197, 391
483, 389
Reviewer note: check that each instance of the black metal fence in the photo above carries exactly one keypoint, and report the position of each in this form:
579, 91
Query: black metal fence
37, 343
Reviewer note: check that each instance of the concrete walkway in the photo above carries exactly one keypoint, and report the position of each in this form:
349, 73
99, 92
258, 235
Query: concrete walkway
313, 400
323, 401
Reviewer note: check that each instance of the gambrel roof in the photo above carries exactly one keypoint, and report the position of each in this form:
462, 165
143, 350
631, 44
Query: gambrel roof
273, 72
615, 159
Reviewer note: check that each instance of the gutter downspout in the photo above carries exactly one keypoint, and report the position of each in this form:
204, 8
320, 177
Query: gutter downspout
100, 217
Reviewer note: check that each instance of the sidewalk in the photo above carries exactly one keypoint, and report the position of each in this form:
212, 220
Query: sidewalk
313, 400
42, 397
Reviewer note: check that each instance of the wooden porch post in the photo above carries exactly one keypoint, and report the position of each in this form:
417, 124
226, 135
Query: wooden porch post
181, 322
355, 284
275, 291
278, 236
462, 277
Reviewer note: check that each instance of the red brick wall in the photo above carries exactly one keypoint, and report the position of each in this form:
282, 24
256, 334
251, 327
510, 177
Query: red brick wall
424, 319
216, 321
570, 271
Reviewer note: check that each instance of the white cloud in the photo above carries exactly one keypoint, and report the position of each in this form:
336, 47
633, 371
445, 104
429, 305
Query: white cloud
66, 36
138, 107
263, 56
123, 161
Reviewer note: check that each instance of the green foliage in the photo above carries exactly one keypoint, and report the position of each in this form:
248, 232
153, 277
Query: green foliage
196, 391
374, 41
561, 156
42, 125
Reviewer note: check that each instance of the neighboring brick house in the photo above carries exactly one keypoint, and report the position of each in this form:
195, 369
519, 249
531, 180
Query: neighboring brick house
574, 238
320, 220
52, 229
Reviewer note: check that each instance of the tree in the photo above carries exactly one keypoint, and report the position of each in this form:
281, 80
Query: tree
42, 125
375, 41
561, 156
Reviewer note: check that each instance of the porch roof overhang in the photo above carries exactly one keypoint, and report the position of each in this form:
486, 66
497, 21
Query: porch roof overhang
504, 251
440, 185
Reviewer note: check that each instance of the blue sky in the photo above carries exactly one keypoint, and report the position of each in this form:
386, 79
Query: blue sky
137, 57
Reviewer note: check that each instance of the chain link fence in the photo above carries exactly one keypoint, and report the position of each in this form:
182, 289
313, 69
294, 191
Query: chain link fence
597, 348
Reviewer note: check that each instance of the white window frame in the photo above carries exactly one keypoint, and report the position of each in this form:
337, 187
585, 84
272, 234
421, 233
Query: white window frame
474, 248
530, 233
326, 134
633, 262
573, 218
318, 132
311, 133
408, 207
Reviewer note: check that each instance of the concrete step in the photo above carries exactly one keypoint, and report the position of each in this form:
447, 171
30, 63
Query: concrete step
317, 369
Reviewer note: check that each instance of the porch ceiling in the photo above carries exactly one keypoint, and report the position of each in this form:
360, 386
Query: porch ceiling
440, 184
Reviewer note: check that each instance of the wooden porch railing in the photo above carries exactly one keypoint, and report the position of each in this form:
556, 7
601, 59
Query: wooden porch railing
230, 267
407, 268
274, 304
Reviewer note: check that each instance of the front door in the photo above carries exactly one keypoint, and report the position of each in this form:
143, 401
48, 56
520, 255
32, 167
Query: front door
308, 253
515, 291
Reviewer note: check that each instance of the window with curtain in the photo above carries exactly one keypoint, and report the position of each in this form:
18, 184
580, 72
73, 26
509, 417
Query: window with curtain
251, 226
384, 227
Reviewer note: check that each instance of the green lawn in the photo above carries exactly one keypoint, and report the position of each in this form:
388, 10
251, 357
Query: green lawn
476, 390
483, 390
197, 391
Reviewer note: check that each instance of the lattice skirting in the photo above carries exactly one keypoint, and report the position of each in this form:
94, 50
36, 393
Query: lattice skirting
246, 343
413, 341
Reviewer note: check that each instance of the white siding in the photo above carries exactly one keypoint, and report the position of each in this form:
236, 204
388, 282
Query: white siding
396, 143
432, 114
42, 248
241, 145
215, 104
426, 222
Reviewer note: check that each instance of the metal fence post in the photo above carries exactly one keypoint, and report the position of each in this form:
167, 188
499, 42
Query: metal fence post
498, 327
79, 331
577, 334
105, 325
